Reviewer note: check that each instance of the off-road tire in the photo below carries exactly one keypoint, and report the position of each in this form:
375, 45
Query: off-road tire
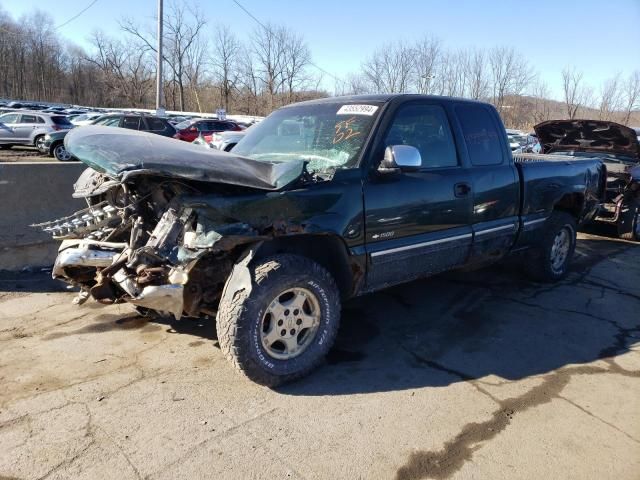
628, 221
240, 315
538, 263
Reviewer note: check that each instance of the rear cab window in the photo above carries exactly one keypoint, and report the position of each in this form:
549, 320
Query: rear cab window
481, 135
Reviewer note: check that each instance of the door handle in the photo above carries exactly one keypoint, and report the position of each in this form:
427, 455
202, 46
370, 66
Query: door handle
461, 189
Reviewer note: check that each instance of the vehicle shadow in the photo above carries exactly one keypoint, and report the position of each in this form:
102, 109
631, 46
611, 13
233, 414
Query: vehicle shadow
463, 326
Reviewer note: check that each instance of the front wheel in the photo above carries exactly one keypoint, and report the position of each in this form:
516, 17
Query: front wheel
629, 220
280, 327
549, 261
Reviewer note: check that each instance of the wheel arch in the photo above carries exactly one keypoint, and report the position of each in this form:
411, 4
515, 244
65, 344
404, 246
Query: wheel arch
327, 250
53, 146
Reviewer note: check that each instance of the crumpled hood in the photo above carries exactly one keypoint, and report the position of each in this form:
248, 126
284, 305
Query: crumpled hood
588, 136
120, 153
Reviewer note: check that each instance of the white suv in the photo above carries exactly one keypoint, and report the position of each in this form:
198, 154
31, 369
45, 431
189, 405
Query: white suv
29, 128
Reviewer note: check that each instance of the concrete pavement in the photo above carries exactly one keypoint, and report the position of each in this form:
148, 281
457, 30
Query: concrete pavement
463, 376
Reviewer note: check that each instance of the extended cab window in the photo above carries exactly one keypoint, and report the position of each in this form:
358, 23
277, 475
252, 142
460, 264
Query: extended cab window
426, 128
480, 134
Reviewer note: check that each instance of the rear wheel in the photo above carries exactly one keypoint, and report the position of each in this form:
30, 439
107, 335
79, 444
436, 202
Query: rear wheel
38, 142
61, 153
280, 328
629, 220
549, 261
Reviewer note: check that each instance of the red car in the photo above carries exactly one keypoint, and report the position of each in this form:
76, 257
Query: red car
189, 130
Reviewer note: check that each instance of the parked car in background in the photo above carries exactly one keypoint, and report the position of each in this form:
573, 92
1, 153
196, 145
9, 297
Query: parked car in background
53, 146
224, 141
86, 118
618, 147
22, 128
189, 130
145, 123
530, 145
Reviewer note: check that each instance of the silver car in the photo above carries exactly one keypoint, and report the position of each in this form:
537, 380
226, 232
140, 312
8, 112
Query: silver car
29, 128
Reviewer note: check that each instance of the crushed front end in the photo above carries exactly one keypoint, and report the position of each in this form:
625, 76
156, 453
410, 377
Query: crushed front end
137, 243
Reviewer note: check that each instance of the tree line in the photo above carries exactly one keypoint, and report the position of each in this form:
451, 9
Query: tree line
209, 66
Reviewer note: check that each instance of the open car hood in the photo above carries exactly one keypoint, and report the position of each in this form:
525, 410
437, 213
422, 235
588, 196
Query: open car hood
119, 152
588, 136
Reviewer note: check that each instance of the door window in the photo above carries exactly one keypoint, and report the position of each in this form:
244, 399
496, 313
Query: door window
426, 128
480, 134
28, 119
9, 118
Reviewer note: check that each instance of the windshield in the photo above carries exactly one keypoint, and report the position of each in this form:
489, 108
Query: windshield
329, 136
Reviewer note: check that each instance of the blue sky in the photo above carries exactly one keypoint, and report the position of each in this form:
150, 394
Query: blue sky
599, 38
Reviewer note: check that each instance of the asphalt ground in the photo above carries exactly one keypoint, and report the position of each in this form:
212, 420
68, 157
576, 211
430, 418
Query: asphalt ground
481, 375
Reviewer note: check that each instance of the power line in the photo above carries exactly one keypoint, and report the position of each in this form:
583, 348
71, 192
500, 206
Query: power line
269, 31
77, 15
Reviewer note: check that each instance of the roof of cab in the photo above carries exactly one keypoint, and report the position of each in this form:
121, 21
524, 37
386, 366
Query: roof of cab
380, 98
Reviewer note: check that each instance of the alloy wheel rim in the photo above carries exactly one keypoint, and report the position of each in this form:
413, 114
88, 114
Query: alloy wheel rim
560, 249
290, 323
40, 143
62, 153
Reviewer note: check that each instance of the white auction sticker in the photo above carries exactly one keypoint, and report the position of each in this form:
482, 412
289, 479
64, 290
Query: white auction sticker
357, 110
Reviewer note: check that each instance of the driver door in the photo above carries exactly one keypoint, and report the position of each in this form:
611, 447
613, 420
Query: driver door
418, 222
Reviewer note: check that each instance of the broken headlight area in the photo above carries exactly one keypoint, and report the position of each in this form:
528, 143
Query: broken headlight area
179, 266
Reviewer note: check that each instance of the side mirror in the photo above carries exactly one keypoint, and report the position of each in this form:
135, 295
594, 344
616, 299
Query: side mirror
400, 157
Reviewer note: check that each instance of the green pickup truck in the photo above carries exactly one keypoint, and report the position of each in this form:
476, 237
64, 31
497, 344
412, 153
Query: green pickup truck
320, 202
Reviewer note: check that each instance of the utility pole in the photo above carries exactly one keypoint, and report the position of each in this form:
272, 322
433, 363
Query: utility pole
159, 108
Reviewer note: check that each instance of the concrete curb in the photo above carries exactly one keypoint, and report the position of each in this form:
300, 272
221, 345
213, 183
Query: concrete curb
33, 192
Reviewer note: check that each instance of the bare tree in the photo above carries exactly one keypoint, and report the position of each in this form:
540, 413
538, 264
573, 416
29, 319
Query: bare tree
226, 50
610, 98
183, 27
390, 68
124, 70
426, 57
631, 95
476, 73
297, 58
510, 75
576, 93
541, 106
